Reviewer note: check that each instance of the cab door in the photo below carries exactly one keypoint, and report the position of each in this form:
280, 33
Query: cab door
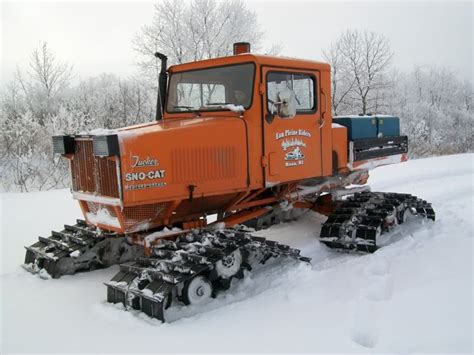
292, 146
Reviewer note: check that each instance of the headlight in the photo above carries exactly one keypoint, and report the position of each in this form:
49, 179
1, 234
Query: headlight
63, 144
105, 146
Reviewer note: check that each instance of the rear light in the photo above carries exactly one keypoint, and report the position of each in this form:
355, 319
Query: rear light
105, 146
63, 144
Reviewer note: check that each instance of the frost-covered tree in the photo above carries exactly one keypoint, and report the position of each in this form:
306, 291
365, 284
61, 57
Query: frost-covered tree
342, 81
41, 102
435, 107
45, 83
360, 64
107, 101
200, 29
47, 71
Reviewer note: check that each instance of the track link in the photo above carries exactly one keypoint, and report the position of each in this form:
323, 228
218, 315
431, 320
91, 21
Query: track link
208, 257
359, 220
78, 247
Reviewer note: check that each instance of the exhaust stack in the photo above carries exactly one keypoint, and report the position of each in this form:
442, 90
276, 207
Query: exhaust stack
162, 81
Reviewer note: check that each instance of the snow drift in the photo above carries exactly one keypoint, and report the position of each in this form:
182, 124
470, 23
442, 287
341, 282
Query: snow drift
414, 295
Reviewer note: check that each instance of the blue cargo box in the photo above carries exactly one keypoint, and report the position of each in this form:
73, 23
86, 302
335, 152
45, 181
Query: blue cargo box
358, 127
388, 126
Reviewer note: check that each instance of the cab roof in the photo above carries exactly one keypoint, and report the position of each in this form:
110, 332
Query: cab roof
259, 59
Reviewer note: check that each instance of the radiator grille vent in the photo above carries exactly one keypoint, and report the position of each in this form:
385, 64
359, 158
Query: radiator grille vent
203, 164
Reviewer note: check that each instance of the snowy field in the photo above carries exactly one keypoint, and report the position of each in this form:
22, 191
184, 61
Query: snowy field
414, 295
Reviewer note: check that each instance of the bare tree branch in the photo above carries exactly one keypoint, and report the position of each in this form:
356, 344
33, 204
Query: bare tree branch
360, 61
193, 31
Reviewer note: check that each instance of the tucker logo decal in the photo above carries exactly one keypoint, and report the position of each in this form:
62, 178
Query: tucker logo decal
292, 144
137, 162
157, 174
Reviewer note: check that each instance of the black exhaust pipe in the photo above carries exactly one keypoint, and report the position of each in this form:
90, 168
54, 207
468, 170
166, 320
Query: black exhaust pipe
162, 82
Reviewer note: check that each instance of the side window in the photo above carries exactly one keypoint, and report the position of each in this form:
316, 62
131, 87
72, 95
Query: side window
301, 84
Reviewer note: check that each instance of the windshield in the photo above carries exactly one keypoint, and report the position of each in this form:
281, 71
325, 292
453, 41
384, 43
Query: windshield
211, 89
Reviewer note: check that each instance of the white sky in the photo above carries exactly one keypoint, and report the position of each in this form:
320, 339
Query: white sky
95, 37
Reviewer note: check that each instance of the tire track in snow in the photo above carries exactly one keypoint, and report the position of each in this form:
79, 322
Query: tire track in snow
378, 288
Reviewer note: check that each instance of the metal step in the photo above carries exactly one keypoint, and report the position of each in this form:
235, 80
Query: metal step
47, 252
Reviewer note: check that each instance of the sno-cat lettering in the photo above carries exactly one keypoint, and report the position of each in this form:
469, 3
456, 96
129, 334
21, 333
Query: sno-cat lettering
156, 174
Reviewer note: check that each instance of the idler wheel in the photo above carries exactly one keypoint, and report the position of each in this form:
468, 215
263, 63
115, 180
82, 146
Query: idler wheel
229, 265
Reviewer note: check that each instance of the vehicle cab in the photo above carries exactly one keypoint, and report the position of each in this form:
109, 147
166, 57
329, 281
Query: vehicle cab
283, 103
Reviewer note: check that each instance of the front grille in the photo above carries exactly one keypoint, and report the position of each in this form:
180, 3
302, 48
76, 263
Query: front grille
107, 182
95, 207
136, 215
93, 174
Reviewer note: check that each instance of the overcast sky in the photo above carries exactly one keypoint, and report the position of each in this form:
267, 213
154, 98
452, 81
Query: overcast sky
95, 37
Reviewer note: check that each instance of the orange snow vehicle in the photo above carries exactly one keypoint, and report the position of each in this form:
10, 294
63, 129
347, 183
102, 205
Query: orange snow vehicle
249, 138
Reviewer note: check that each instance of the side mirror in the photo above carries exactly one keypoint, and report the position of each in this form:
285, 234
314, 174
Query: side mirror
285, 107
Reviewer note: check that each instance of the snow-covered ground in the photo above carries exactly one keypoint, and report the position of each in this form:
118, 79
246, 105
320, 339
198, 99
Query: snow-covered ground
414, 295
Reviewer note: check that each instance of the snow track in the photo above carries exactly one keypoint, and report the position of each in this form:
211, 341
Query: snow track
413, 295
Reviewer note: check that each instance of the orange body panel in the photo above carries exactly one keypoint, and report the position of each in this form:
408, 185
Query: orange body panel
339, 146
175, 159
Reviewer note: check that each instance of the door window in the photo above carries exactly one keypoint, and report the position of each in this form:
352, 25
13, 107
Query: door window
302, 85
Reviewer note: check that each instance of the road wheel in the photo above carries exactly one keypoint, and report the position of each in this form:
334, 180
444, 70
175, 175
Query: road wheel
406, 215
197, 290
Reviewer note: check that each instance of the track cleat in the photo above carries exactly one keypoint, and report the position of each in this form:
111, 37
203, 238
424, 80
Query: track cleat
360, 220
194, 268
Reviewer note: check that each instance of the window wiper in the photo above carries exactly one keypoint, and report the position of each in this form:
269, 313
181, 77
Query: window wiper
218, 103
189, 108
227, 106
